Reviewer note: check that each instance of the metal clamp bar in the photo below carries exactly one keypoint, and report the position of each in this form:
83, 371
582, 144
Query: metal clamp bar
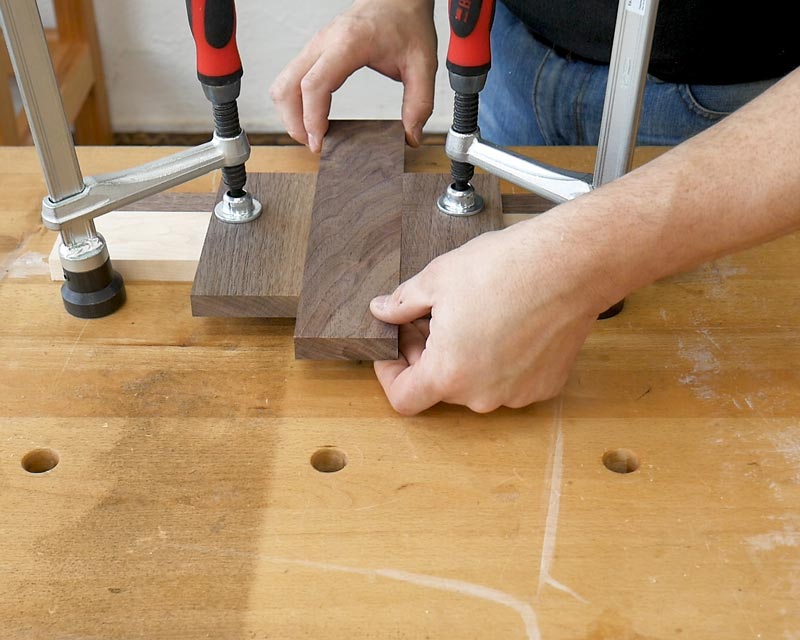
82, 248
630, 56
557, 185
111, 191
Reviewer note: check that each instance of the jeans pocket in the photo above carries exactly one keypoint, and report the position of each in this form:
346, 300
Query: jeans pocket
714, 101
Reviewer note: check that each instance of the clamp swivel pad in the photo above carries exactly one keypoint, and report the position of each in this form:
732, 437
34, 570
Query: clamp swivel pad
237, 209
460, 203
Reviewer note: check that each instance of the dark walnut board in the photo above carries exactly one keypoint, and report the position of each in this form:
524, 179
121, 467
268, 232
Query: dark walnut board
327, 244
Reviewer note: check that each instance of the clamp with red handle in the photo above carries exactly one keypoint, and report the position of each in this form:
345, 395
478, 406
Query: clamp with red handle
213, 24
219, 69
469, 54
469, 58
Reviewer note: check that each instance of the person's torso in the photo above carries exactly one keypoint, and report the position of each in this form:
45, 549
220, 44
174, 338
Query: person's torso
696, 41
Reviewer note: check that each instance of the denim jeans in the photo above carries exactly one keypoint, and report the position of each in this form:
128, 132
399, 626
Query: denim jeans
533, 96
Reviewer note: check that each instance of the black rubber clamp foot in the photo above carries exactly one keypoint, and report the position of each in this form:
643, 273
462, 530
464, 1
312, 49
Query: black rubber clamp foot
93, 294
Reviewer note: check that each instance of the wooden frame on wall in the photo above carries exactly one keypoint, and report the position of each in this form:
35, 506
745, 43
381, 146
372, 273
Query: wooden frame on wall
75, 51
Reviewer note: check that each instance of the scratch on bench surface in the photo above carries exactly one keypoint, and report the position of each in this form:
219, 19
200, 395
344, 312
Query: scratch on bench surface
27, 264
554, 500
376, 504
553, 507
473, 590
562, 587
407, 437
470, 589
72, 350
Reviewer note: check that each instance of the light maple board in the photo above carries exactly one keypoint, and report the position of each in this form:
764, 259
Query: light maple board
158, 238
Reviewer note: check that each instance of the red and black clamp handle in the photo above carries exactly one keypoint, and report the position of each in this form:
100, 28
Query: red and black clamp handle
219, 69
469, 56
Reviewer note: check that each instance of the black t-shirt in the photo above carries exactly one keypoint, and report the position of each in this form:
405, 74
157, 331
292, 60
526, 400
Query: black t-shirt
696, 41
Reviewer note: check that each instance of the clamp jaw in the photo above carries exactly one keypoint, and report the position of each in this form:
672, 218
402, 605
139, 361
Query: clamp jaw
92, 288
469, 60
104, 193
552, 183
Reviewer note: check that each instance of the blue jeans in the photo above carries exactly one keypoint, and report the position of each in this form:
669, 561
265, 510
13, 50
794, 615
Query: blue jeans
533, 96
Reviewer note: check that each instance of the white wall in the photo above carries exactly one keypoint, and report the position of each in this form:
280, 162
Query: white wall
149, 60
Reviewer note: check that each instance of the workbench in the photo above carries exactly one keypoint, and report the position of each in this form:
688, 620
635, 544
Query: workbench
184, 503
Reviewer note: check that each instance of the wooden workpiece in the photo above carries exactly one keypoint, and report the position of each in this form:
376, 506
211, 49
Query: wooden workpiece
159, 238
255, 270
353, 251
184, 504
427, 233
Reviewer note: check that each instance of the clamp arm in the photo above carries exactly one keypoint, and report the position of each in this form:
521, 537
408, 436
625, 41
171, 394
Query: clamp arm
552, 183
111, 191
92, 288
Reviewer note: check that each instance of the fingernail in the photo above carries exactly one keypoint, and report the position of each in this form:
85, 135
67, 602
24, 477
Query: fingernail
312, 143
379, 303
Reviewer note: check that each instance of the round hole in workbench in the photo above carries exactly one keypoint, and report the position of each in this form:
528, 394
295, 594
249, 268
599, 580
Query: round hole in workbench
40, 460
328, 460
621, 460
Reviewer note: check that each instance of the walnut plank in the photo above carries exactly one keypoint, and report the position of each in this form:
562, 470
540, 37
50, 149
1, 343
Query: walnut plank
428, 233
525, 204
354, 245
254, 270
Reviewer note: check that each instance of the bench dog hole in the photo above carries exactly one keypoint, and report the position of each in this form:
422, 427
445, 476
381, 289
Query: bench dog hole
40, 460
328, 460
621, 460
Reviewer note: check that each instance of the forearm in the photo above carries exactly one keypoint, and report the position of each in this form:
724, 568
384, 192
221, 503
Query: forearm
734, 186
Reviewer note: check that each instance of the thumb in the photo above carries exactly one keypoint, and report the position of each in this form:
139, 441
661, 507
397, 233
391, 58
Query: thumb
418, 87
410, 301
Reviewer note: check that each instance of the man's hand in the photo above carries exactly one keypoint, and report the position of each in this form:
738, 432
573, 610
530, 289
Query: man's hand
510, 310
509, 314
394, 37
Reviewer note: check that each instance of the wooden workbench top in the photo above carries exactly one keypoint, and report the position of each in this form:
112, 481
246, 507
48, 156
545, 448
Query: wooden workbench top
184, 504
